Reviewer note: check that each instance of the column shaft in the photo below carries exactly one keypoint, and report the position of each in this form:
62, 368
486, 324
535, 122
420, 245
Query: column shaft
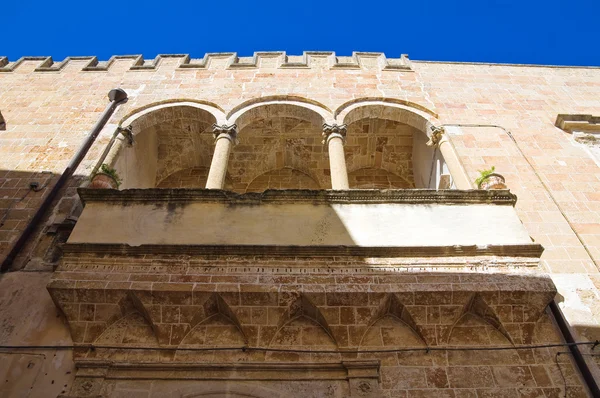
218, 166
461, 180
337, 162
225, 137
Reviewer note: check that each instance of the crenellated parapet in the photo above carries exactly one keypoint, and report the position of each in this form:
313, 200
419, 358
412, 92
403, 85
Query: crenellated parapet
231, 61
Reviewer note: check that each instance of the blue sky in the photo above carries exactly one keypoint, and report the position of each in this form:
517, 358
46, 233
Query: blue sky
560, 32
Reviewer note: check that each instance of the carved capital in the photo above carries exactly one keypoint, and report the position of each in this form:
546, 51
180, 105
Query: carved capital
436, 136
225, 131
334, 130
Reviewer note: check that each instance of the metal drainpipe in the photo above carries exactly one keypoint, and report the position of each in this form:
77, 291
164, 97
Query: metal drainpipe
117, 97
563, 325
583, 367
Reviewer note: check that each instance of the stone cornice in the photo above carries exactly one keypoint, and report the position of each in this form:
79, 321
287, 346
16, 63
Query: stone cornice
527, 250
278, 59
354, 196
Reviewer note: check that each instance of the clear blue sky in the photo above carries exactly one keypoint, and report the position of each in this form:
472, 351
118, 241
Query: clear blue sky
562, 32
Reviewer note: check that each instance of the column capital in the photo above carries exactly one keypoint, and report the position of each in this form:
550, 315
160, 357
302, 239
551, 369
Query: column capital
334, 130
437, 134
225, 131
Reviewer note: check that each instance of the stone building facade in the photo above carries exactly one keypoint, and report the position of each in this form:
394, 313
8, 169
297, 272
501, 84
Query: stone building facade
298, 226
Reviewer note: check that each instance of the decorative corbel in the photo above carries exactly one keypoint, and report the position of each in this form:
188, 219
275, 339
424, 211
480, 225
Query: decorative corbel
436, 136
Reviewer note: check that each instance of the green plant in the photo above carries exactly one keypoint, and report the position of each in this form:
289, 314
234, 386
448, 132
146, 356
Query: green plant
106, 169
483, 174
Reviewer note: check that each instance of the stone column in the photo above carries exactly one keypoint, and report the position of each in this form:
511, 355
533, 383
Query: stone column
440, 139
225, 137
335, 137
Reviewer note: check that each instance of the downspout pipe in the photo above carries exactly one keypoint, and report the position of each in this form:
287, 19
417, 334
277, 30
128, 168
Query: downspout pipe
117, 97
583, 367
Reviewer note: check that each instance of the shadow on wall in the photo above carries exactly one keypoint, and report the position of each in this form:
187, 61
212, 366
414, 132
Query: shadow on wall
21, 195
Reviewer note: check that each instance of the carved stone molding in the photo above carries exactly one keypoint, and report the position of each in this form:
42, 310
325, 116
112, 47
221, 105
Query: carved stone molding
527, 250
408, 196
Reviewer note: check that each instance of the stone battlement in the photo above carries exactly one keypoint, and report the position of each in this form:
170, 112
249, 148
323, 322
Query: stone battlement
266, 60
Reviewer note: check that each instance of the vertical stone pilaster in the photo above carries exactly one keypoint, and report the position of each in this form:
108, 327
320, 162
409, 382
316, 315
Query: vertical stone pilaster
225, 138
335, 136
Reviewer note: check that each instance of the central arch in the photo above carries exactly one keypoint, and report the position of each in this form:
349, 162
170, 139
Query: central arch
280, 146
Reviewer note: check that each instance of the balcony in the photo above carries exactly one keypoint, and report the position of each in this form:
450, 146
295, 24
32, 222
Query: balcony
371, 223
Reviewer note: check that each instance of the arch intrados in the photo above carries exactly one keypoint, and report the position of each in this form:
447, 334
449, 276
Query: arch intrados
391, 101
283, 99
216, 113
272, 109
388, 111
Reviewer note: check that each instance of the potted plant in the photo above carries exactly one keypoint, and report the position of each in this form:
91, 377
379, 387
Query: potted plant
107, 178
490, 180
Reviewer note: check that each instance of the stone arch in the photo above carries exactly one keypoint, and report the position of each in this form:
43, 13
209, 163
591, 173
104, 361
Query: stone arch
210, 107
396, 136
134, 329
478, 324
392, 325
127, 303
407, 112
285, 177
216, 311
279, 134
234, 115
279, 109
303, 324
166, 138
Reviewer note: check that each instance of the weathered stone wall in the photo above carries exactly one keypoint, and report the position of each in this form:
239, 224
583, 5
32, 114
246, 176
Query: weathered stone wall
228, 302
48, 111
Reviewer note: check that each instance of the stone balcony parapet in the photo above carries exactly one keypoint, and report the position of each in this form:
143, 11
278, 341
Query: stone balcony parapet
367, 223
